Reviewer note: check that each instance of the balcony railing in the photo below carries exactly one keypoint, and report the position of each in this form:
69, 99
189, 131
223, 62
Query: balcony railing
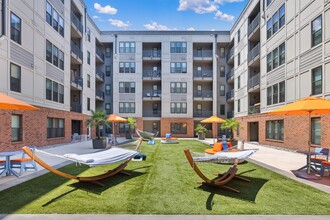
151, 53
152, 93
78, 81
75, 21
151, 74
254, 109
255, 23
100, 75
230, 74
230, 114
230, 95
254, 81
76, 107
203, 94
99, 94
202, 53
254, 52
76, 50
230, 54
99, 53
152, 113
202, 114
203, 73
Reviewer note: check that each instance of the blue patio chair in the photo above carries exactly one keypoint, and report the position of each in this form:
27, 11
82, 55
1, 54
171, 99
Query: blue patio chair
322, 156
24, 163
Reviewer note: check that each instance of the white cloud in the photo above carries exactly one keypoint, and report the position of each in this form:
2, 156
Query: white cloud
119, 23
105, 10
229, 1
190, 29
225, 17
155, 26
198, 6
96, 17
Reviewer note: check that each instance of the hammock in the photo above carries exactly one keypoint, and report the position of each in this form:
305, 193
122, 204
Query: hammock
225, 157
146, 135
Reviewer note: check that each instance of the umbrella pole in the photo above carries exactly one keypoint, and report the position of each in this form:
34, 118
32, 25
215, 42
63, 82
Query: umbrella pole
309, 144
113, 128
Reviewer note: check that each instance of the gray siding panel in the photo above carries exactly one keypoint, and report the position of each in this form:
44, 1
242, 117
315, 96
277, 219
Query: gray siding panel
21, 56
276, 75
178, 97
310, 59
127, 97
59, 7
54, 73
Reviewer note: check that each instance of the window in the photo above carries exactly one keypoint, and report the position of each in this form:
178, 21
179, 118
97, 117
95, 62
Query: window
60, 94
269, 62
282, 91
126, 67
61, 27
49, 89
55, 20
179, 67
55, 127
275, 130
238, 82
276, 58
107, 89
61, 60
222, 71
126, 47
55, 55
276, 93
108, 108
199, 109
239, 35
178, 47
282, 16
107, 52
126, 107
88, 104
222, 109
88, 80
49, 12
178, 108
269, 28
317, 81
15, 78
222, 91
238, 105
49, 51
268, 2
88, 57
222, 52
88, 34
179, 128
54, 91
126, 87
282, 54
317, 31
269, 95
316, 131
239, 59
178, 87
16, 128
275, 22
108, 70
15, 28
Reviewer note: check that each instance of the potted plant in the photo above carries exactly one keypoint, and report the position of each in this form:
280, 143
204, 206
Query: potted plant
232, 125
201, 131
131, 127
97, 120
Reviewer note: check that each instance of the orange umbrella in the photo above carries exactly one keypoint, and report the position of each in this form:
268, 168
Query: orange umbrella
214, 120
9, 103
115, 118
306, 106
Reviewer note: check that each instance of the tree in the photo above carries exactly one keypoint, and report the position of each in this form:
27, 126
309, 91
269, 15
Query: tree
131, 124
98, 119
231, 125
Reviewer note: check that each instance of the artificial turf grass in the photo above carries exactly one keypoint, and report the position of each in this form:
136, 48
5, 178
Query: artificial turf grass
165, 184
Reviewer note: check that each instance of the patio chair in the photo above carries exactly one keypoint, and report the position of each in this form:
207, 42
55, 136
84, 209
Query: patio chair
24, 163
323, 155
325, 165
2, 165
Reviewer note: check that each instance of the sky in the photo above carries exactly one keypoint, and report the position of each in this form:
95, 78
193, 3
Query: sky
193, 15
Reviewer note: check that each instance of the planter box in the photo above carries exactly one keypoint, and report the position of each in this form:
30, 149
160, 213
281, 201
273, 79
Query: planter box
99, 143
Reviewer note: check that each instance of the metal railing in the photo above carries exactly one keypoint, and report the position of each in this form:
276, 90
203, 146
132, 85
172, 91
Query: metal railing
230, 54
99, 94
254, 52
202, 114
254, 23
230, 95
230, 114
100, 75
99, 53
75, 49
152, 93
203, 73
76, 107
75, 21
151, 53
152, 113
202, 53
254, 109
78, 81
230, 74
152, 74
203, 94
254, 81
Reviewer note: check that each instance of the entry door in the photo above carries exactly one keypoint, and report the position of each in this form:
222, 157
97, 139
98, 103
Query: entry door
155, 127
155, 90
199, 90
199, 71
254, 131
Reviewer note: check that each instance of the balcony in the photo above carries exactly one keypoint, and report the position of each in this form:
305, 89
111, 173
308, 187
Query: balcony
99, 54
230, 76
203, 75
203, 95
230, 114
253, 28
77, 26
99, 76
99, 95
76, 53
151, 54
152, 113
254, 83
203, 54
202, 114
151, 75
230, 96
77, 83
254, 56
152, 94
76, 107
254, 109
230, 56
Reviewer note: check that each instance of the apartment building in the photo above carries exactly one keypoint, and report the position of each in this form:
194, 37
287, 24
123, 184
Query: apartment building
54, 57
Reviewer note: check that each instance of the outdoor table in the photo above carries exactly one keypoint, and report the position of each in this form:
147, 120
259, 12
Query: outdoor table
113, 139
308, 154
8, 171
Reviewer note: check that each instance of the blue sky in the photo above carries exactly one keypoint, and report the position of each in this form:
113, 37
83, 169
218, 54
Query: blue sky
165, 14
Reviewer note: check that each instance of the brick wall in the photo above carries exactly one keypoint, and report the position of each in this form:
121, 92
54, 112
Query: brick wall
34, 124
165, 124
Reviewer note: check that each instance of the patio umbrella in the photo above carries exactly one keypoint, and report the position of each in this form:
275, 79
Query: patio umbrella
213, 120
9, 103
306, 106
115, 118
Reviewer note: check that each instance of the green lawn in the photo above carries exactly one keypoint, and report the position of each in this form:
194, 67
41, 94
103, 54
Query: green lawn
165, 184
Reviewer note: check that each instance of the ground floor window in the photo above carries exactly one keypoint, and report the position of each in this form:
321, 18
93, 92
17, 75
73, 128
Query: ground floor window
275, 130
123, 127
16, 128
179, 128
316, 131
55, 127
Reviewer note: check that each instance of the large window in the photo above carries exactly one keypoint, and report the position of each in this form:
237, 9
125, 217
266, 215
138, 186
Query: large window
276, 21
54, 19
126, 47
15, 28
54, 91
178, 67
126, 87
276, 58
15, 78
126, 67
178, 87
317, 31
275, 130
54, 55
178, 108
49, 13
276, 93
16, 128
222, 90
55, 127
126, 107
61, 59
316, 131
317, 81
179, 128
178, 47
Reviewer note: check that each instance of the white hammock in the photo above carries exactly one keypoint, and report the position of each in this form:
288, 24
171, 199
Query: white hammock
225, 156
